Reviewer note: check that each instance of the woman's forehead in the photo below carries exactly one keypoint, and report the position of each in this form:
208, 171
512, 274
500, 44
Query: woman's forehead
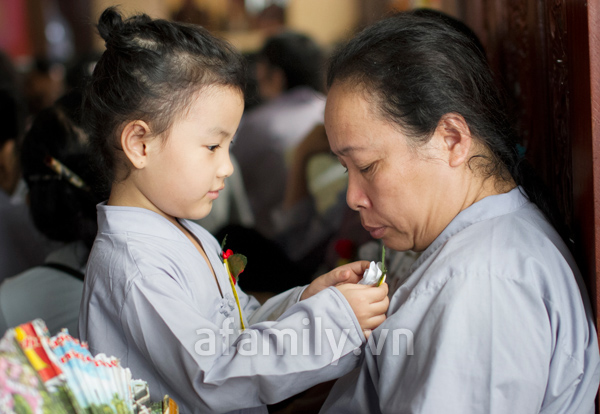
351, 107
351, 102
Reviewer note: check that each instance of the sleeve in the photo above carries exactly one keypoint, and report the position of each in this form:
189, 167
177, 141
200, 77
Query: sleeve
312, 342
274, 307
480, 344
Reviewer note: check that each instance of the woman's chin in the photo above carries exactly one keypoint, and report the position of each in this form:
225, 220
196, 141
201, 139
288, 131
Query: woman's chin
399, 244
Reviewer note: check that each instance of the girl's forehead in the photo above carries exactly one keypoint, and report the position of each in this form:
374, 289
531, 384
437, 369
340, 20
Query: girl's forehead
205, 99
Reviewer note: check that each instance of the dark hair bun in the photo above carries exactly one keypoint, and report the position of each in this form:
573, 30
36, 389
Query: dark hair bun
110, 24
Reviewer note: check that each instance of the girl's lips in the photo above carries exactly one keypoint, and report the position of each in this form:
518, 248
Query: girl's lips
214, 194
376, 232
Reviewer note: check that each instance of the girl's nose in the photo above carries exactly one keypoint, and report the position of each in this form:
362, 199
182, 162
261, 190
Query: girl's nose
226, 168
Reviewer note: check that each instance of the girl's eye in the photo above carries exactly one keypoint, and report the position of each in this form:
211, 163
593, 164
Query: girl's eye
212, 148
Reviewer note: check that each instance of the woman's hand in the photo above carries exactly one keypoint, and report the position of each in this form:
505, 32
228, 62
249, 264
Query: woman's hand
348, 273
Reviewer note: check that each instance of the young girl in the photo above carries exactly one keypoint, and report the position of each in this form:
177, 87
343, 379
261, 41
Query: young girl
163, 105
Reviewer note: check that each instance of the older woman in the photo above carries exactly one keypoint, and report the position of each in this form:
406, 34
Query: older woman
494, 317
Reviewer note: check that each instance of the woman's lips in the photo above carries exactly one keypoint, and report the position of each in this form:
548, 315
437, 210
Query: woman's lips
376, 232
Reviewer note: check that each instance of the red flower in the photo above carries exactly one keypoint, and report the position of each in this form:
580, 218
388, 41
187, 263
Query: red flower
227, 254
345, 249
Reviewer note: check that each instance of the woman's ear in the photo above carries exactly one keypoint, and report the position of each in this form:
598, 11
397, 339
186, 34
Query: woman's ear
134, 139
456, 138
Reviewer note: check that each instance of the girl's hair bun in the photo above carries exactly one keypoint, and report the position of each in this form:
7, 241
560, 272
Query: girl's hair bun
110, 24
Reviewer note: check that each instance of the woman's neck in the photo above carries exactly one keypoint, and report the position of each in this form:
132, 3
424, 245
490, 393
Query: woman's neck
487, 187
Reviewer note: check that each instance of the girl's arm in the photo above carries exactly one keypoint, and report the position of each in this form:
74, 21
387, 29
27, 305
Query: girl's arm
275, 306
211, 368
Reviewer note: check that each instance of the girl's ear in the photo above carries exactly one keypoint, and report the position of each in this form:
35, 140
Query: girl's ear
134, 139
456, 138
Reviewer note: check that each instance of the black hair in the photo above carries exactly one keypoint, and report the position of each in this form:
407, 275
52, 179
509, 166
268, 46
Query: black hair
298, 56
455, 23
12, 104
60, 210
418, 67
12, 116
150, 70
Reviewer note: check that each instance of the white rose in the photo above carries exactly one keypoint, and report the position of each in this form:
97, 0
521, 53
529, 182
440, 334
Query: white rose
372, 274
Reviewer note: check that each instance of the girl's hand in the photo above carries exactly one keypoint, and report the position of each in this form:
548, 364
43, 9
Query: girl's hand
368, 303
348, 273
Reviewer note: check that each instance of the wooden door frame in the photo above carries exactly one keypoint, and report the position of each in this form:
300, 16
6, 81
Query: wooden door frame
593, 251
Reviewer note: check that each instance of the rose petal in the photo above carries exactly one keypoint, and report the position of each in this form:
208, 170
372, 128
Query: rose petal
372, 274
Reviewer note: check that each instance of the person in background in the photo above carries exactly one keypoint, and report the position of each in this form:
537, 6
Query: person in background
21, 245
43, 84
58, 170
494, 316
290, 81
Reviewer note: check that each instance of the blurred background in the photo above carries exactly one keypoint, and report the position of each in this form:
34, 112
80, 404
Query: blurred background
62, 30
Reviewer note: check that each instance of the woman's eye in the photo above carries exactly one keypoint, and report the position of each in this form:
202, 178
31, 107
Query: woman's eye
366, 169
212, 148
343, 165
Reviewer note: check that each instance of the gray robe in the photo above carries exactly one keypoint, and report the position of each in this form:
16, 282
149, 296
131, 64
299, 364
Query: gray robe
151, 300
491, 320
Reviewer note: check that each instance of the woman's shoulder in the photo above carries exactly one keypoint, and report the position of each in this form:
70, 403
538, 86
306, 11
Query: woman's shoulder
519, 234
517, 248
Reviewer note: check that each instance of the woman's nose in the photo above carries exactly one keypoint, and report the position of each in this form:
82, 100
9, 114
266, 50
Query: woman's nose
355, 196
